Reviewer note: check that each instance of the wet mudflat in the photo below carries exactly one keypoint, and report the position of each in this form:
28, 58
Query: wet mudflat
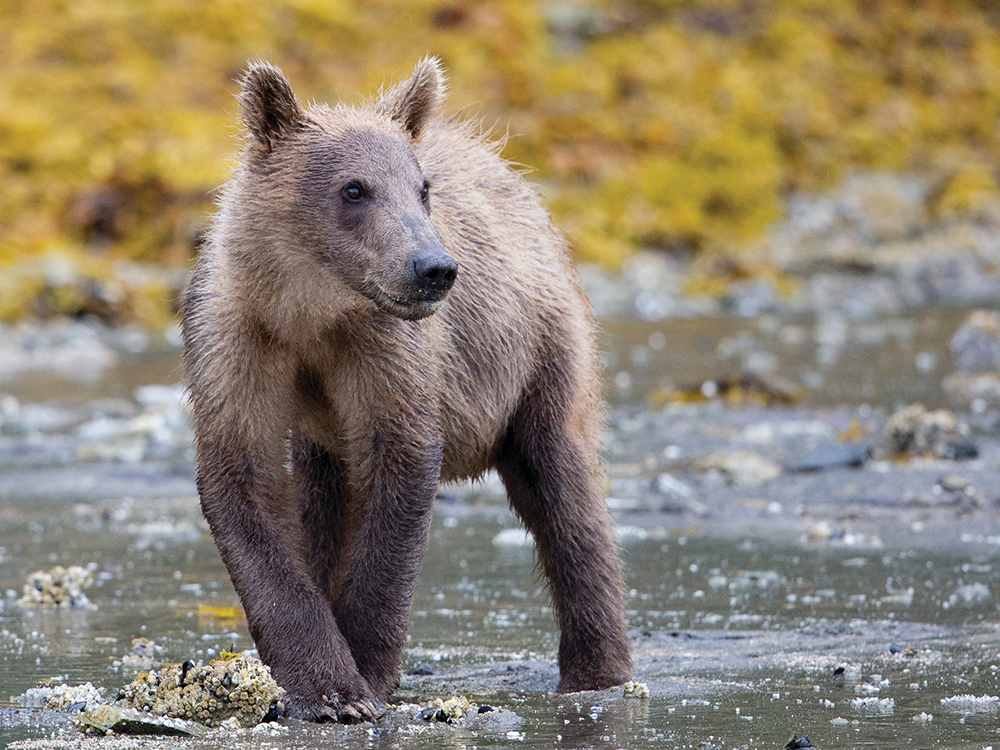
742, 642
855, 604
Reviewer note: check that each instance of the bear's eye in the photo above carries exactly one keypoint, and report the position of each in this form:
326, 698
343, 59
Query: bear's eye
425, 191
353, 192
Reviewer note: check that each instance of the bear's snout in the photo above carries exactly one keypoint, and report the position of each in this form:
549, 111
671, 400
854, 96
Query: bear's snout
434, 273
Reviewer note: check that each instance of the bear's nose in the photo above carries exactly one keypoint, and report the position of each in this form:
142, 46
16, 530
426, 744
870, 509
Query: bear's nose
434, 272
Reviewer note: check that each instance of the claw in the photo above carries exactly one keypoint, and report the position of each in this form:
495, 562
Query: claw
333, 710
368, 709
349, 713
359, 711
324, 715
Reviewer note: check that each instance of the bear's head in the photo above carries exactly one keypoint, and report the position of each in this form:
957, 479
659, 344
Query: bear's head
339, 193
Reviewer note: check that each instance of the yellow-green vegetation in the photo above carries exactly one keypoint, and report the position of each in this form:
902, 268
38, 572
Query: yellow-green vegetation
656, 123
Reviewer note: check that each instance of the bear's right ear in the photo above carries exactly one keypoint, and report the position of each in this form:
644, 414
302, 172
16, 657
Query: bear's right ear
270, 109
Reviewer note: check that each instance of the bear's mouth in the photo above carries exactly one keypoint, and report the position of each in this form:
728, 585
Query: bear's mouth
414, 309
407, 308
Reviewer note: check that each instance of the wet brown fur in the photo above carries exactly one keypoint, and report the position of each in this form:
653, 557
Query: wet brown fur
297, 344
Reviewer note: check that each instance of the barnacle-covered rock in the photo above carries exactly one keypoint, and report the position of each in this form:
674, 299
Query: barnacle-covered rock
456, 711
741, 467
917, 432
59, 697
60, 587
230, 686
452, 709
636, 689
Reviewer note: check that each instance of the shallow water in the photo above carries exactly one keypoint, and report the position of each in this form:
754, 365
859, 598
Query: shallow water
738, 634
712, 607
835, 361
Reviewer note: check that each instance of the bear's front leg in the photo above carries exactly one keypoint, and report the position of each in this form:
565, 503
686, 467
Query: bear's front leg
289, 619
394, 471
240, 407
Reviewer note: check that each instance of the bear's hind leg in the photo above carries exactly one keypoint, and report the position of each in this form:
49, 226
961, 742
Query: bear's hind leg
550, 466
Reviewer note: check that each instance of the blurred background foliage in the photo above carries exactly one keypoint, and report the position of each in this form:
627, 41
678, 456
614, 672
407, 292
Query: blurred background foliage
668, 124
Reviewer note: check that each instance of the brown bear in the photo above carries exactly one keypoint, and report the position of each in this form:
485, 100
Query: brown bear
382, 303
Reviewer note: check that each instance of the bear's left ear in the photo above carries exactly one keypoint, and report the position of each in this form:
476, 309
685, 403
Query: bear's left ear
414, 101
